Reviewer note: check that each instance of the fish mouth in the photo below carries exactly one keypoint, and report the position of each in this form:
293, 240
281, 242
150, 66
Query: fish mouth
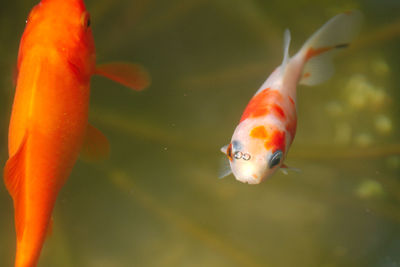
250, 179
248, 174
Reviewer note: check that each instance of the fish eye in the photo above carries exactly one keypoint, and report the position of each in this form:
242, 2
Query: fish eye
85, 20
229, 152
275, 159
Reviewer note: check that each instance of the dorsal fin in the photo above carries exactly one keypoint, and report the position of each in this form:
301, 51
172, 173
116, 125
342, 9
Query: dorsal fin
286, 44
14, 175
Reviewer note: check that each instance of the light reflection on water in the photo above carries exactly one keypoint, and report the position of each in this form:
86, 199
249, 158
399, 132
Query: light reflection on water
157, 200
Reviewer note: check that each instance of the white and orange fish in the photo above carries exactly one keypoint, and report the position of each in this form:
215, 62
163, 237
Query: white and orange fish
268, 125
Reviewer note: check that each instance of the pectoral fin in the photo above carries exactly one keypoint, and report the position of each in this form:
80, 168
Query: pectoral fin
131, 75
285, 169
95, 145
224, 168
14, 175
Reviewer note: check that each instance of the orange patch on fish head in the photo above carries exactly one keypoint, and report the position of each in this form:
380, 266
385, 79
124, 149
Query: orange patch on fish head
277, 140
258, 112
264, 103
259, 132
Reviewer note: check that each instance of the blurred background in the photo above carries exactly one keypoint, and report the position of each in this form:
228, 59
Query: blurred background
157, 200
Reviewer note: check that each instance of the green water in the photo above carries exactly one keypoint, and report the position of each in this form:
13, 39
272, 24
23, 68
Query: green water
157, 200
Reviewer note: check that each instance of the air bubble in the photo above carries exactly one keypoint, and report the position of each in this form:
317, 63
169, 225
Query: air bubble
246, 156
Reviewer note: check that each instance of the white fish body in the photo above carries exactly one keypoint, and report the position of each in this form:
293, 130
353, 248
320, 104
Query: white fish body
267, 127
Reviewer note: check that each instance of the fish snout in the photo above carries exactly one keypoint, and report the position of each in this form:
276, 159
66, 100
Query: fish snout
251, 179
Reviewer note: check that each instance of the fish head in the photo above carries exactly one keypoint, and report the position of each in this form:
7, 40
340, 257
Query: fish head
256, 152
63, 28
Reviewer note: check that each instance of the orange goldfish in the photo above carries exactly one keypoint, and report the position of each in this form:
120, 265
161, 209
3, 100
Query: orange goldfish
49, 120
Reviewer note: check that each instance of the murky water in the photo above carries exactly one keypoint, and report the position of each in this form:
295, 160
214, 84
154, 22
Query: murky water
157, 200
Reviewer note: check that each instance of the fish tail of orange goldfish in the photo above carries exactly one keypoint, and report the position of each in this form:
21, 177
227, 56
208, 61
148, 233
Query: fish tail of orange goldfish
316, 53
30, 244
26, 257
31, 237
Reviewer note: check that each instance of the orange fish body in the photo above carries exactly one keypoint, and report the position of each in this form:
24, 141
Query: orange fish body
49, 116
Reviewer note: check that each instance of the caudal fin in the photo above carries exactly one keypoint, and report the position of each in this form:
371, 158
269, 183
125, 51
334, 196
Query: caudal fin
318, 50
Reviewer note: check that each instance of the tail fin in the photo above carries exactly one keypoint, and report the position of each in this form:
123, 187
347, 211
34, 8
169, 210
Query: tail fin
318, 50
